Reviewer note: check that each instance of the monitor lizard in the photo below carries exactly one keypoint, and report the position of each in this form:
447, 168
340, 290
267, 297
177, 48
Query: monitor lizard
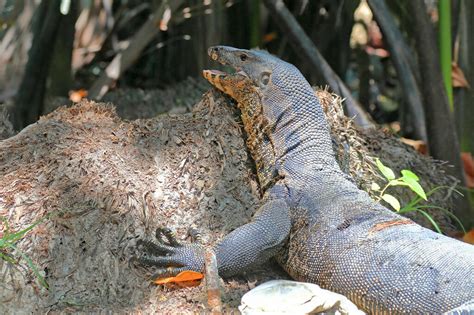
313, 219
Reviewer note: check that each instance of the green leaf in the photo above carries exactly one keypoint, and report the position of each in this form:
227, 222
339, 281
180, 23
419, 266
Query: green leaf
375, 187
33, 267
409, 174
447, 213
8, 240
386, 171
391, 200
7, 258
406, 209
415, 186
431, 220
397, 182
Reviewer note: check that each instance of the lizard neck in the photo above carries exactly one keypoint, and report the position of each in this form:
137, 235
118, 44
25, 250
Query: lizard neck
287, 133
297, 129
287, 139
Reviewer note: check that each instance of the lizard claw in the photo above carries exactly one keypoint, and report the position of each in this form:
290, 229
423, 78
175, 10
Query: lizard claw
170, 256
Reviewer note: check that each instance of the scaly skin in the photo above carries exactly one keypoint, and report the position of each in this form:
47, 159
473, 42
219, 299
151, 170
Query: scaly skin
248, 98
320, 227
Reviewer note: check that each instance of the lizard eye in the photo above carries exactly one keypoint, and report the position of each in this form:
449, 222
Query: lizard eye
243, 57
265, 78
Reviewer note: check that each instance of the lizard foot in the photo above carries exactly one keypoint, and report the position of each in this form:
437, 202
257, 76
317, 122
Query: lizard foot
169, 256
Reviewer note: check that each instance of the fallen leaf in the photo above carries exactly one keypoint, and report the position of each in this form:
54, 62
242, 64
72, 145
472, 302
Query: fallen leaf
469, 237
184, 276
419, 145
77, 95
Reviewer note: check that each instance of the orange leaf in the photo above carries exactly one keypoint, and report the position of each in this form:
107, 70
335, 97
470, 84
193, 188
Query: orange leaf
418, 145
183, 276
269, 37
469, 237
77, 95
468, 163
459, 80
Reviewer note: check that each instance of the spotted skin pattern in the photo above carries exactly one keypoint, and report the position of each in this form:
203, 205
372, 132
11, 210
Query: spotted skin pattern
320, 227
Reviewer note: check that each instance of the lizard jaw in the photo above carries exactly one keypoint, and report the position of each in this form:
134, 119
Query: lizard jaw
230, 84
215, 77
214, 72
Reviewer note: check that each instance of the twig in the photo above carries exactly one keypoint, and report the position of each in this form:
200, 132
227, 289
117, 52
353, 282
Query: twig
306, 49
212, 284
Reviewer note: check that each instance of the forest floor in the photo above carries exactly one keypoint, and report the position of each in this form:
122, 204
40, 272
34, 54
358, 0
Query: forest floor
112, 182
109, 181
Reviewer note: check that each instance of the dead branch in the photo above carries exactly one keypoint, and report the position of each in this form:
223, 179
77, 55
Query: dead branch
214, 300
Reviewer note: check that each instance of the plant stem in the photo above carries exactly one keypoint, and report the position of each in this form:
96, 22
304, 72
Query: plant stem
444, 11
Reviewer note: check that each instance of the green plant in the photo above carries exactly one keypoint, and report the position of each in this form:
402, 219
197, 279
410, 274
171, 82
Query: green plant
7, 246
410, 180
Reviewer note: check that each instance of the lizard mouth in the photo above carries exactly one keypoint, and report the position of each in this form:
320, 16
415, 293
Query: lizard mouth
215, 77
216, 72
223, 74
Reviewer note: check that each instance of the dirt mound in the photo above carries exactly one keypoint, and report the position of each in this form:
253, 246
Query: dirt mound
108, 182
111, 182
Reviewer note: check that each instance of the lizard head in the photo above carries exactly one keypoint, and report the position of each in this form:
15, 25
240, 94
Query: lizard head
257, 65
269, 74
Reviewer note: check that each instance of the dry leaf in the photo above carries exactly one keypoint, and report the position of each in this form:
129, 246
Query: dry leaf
419, 145
459, 80
77, 95
468, 163
469, 237
269, 37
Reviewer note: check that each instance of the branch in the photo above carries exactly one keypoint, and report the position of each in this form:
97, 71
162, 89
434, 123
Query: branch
123, 60
306, 49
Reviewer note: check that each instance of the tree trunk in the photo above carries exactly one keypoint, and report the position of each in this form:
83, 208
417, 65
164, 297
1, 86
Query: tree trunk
29, 99
61, 62
464, 96
443, 142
